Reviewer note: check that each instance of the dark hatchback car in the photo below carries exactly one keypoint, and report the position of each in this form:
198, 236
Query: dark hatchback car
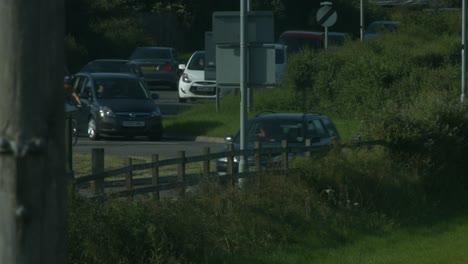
116, 104
271, 129
159, 66
112, 65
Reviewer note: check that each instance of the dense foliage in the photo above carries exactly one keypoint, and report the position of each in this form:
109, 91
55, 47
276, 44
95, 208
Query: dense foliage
112, 28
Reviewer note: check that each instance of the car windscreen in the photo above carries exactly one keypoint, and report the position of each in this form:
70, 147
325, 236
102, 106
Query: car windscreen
138, 54
295, 44
274, 130
105, 67
197, 63
113, 88
336, 40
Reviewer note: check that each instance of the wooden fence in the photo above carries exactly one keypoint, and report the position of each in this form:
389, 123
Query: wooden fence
155, 184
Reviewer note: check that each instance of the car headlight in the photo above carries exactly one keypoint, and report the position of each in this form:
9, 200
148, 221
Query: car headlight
105, 111
224, 160
185, 78
156, 112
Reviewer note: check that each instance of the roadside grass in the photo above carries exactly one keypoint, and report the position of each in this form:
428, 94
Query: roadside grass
203, 120
443, 242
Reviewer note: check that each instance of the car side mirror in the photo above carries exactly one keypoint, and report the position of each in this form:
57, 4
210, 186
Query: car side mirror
154, 96
182, 67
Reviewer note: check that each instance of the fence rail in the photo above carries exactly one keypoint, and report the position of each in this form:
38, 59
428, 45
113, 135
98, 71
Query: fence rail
399, 2
157, 183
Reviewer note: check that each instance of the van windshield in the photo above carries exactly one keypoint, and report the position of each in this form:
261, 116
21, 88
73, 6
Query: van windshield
296, 43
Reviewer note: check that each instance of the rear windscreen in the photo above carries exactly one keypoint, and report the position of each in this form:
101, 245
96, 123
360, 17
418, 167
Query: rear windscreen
151, 54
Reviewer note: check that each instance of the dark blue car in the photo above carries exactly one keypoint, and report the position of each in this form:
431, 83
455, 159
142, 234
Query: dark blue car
116, 104
272, 128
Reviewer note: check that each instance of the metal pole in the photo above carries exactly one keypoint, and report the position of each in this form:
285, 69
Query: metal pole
362, 20
243, 85
326, 37
217, 99
463, 53
249, 89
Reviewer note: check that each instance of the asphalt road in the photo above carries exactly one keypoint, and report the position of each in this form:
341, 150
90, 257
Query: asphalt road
140, 147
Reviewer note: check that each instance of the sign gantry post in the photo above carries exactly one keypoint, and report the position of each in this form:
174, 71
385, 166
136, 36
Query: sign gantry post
243, 84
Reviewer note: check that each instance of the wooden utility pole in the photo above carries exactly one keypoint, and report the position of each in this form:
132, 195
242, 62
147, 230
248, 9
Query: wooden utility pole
32, 182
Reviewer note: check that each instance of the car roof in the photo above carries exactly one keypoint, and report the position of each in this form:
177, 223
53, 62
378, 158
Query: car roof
386, 22
284, 116
99, 75
338, 34
302, 34
161, 48
109, 61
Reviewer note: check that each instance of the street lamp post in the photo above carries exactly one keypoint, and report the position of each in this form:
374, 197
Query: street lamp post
463, 53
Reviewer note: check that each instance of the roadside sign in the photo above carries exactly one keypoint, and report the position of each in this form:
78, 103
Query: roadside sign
326, 16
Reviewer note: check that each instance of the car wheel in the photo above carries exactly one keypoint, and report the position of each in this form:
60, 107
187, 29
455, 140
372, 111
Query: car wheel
182, 100
92, 130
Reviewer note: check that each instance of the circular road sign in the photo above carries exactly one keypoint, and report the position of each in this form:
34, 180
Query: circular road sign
326, 16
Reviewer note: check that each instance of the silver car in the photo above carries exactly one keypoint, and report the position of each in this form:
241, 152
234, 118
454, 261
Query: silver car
159, 66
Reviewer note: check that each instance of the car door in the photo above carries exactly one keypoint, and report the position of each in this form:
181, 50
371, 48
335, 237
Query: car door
83, 90
317, 132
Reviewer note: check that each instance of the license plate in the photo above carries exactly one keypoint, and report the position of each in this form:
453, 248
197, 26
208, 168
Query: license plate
205, 89
149, 67
133, 123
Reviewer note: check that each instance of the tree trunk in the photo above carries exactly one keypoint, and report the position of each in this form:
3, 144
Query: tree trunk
32, 182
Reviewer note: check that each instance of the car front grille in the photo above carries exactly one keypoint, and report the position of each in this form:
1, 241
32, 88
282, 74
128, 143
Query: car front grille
204, 88
132, 115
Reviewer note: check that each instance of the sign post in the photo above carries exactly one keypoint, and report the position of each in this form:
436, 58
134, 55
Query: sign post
326, 16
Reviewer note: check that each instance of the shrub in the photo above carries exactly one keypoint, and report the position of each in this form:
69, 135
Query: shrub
430, 135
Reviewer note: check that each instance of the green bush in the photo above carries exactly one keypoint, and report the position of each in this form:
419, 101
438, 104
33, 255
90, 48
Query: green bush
212, 226
430, 135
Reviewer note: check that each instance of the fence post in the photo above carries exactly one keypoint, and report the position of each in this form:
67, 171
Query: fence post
129, 175
307, 145
206, 162
155, 175
230, 157
284, 154
181, 174
258, 162
97, 166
